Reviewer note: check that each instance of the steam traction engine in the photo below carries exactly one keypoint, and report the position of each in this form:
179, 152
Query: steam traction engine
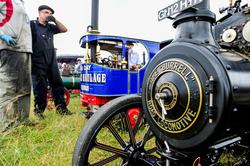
70, 78
195, 98
109, 77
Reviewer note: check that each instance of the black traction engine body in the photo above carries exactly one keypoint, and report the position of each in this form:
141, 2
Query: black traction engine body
196, 90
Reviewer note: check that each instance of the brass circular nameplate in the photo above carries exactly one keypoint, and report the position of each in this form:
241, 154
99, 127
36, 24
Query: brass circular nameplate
180, 80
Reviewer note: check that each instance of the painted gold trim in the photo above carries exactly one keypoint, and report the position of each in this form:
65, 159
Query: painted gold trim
173, 90
73, 81
243, 55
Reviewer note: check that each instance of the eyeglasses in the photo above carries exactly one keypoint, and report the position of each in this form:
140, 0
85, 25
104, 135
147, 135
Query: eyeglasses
46, 12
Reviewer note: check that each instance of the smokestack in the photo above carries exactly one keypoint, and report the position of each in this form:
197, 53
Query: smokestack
195, 23
94, 24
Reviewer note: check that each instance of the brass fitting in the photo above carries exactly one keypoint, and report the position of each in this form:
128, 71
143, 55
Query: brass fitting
94, 32
124, 63
98, 51
114, 56
87, 58
230, 2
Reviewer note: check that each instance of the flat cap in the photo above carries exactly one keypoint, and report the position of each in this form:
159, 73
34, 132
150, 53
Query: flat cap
45, 7
129, 43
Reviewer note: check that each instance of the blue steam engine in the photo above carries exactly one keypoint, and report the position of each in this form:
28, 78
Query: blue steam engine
195, 96
110, 77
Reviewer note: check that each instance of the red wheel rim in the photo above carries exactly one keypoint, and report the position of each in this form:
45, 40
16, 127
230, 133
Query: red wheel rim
66, 95
50, 101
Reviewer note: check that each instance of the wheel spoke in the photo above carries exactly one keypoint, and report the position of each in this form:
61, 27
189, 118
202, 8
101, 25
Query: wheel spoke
151, 150
106, 161
146, 137
130, 131
138, 120
124, 164
111, 149
114, 121
115, 134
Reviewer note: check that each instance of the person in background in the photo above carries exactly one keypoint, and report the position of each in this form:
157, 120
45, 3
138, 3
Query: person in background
64, 65
78, 65
59, 65
44, 63
134, 62
15, 67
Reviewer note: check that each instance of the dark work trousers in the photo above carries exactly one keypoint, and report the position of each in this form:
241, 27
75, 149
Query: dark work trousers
15, 89
45, 71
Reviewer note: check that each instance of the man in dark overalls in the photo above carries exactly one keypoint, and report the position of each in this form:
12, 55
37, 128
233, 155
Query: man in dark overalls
44, 64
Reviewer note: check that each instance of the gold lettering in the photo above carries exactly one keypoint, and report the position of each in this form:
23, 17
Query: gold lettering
162, 123
169, 126
158, 120
98, 78
83, 77
187, 75
178, 125
173, 126
171, 67
86, 67
185, 121
85, 88
103, 78
176, 66
180, 68
154, 75
163, 68
193, 78
188, 118
182, 73
90, 77
94, 78
167, 65
190, 112
87, 78
150, 102
151, 108
182, 123
153, 112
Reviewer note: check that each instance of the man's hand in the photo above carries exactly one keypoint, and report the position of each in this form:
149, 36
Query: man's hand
135, 67
9, 39
50, 18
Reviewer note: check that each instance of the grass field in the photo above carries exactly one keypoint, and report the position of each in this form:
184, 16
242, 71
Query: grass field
49, 143
52, 141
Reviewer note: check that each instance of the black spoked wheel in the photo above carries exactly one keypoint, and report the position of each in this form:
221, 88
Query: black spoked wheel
109, 139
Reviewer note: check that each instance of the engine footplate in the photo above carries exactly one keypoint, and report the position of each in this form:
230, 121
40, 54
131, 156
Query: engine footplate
173, 155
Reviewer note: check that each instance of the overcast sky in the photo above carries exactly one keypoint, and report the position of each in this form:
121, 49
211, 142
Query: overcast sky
128, 18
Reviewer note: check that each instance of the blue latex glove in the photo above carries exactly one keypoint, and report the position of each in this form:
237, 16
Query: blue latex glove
9, 39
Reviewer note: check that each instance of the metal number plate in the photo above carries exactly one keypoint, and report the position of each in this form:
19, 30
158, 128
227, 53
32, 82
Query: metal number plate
176, 7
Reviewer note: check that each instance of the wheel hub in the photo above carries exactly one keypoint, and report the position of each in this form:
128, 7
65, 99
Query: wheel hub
134, 152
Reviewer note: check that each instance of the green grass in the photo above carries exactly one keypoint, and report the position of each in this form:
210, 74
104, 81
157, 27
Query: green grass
52, 141
49, 143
